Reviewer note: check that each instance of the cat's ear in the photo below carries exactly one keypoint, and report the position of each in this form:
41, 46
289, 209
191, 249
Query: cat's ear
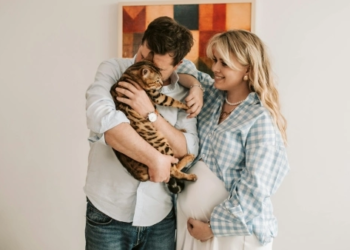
145, 72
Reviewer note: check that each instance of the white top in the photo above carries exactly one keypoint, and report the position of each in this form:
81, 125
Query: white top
109, 186
198, 201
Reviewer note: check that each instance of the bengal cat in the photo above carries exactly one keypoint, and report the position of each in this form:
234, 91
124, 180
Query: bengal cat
148, 77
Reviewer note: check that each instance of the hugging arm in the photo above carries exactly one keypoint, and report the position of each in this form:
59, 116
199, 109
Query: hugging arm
179, 141
110, 126
198, 82
188, 74
266, 166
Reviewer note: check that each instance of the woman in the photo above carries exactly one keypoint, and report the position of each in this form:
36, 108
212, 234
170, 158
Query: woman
242, 159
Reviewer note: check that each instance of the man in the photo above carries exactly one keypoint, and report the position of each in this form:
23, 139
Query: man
123, 213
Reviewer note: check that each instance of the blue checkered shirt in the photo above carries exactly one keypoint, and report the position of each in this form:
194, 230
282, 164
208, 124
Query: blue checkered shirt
247, 153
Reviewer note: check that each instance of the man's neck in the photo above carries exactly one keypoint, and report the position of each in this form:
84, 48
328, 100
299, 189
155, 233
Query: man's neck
166, 82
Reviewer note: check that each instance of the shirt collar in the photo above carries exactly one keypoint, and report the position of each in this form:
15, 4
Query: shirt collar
174, 78
252, 99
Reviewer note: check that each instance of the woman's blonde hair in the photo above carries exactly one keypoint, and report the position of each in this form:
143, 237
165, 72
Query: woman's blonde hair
250, 51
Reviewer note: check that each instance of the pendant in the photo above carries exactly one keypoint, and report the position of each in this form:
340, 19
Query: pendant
224, 115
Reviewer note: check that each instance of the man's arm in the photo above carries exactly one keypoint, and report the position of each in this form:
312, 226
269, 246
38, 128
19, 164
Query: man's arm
112, 126
124, 139
139, 101
175, 137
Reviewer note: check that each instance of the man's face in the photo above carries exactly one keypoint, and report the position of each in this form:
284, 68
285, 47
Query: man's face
164, 62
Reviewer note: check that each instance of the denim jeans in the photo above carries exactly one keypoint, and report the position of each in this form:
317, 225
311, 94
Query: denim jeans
105, 233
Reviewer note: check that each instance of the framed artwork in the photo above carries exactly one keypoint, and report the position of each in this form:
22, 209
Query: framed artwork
202, 18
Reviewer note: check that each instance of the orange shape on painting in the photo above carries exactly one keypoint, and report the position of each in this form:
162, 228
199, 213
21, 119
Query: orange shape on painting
128, 40
206, 17
239, 16
193, 54
133, 11
212, 17
155, 11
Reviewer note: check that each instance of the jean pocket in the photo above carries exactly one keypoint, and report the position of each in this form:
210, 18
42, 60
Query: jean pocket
94, 217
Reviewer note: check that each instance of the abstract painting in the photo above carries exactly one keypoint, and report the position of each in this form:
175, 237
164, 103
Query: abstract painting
202, 18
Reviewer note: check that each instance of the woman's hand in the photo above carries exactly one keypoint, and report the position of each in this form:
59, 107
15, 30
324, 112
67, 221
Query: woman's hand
199, 230
136, 98
194, 100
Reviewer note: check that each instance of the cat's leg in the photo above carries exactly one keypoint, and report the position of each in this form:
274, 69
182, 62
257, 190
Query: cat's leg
174, 172
184, 161
164, 100
176, 169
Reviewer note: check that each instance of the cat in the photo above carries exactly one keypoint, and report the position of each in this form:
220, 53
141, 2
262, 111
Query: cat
148, 77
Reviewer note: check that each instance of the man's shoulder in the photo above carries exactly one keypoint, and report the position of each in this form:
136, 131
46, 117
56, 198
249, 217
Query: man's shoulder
118, 63
112, 69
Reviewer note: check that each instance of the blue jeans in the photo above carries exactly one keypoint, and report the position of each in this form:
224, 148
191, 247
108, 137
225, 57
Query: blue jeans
105, 233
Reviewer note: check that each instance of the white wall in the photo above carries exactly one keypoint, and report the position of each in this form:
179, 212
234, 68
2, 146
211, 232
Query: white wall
49, 52
310, 43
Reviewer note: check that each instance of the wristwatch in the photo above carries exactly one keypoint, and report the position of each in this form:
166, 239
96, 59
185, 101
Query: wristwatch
152, 116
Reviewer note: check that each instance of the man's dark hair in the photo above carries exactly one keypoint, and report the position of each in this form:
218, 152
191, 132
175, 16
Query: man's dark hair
164, 35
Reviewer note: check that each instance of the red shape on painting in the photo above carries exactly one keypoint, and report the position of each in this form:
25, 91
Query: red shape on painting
219, 17
204, 37
134, 22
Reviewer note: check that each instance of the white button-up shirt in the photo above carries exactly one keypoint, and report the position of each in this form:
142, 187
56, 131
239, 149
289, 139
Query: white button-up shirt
109, 186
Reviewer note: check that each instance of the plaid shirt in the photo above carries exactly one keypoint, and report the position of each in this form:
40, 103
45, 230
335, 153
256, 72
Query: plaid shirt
247, 153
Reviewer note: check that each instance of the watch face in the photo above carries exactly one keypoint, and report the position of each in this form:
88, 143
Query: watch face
152, 117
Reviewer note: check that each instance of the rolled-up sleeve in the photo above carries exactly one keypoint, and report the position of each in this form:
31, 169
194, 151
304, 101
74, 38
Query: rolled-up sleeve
191, 135
266, 165
100, 108
187, 67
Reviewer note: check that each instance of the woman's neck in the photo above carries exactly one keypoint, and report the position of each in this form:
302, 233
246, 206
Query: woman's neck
237, 95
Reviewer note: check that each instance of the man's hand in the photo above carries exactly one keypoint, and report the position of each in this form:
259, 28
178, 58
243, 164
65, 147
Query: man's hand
137, 98
194, 100
199, 230
159, 170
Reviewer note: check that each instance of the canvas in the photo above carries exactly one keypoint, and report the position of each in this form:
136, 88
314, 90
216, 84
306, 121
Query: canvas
204, 19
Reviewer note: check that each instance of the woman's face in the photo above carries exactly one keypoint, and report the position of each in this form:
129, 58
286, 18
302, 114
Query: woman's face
225, 77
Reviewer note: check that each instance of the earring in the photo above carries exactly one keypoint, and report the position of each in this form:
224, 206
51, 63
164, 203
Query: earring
245, 78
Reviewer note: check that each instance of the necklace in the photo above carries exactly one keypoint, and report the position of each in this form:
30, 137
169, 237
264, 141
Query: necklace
225, 114
233, 104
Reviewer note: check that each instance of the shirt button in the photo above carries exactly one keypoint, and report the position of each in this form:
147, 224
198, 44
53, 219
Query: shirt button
203, 156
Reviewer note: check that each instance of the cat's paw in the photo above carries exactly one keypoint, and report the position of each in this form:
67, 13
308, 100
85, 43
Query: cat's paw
192, 177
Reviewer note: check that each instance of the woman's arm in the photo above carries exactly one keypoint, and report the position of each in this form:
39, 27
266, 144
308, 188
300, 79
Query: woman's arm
266, 165
188, 73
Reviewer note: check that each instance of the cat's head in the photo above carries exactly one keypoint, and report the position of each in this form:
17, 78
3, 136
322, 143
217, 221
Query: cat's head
149, 73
